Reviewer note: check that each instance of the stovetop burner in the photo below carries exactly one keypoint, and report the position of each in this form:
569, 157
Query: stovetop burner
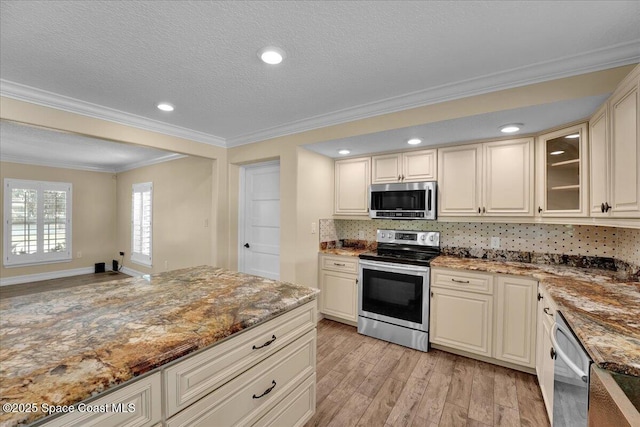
405, 247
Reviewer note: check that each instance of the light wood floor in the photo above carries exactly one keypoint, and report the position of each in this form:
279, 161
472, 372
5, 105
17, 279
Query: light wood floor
61, 283
367, 382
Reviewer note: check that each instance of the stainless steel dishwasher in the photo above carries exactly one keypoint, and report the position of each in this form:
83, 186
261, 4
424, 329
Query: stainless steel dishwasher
571, 377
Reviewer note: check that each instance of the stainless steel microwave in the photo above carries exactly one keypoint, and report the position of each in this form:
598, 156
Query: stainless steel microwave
404, 200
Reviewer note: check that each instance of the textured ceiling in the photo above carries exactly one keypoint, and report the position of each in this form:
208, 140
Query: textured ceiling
345, 59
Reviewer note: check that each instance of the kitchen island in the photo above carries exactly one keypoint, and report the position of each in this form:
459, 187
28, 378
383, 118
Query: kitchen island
65, 346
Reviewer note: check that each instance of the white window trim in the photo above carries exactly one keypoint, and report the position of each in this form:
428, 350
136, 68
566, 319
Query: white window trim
138, 257
10, 260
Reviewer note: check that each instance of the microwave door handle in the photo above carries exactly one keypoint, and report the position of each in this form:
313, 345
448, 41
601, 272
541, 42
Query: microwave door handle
560, 353
429, 200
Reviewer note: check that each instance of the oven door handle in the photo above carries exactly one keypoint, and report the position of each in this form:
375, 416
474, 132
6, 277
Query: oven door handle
394, 267
560, 352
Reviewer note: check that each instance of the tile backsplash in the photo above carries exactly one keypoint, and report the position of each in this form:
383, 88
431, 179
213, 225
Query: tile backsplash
583, 240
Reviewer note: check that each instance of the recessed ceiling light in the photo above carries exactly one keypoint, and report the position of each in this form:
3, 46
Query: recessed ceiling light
164, 106
575, 135
271, 55
555, 153
511, 128
344, 152
414, 141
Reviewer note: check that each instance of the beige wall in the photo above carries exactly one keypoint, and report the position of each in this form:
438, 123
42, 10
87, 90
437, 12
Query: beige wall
93, 215
182, 200
314, 201
24, 112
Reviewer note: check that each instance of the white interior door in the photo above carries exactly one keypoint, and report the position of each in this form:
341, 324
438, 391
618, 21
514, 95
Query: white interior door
259, 222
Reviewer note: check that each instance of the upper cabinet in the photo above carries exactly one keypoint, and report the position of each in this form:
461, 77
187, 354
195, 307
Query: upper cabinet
352, 179
489, 179
411, 166
615, 153
562, 171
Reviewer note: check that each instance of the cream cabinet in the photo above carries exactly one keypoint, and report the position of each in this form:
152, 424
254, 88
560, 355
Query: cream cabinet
352, 179
545, 354
338, 284
562, 172
260, 373
461, 312
137, 404
488, 179
615, 153
489, 315
410, 166
515, 308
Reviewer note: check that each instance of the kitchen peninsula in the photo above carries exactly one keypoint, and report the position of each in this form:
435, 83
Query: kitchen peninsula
65, 346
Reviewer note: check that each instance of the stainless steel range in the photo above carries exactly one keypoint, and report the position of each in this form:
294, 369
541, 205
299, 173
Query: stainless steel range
393, 287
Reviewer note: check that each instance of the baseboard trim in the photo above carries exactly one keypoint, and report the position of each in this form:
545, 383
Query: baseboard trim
131, 272
16, 280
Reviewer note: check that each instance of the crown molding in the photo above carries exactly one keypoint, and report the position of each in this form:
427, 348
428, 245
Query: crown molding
84, 167
49, 99
596, 60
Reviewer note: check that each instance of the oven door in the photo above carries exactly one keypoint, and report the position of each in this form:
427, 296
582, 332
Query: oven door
394, 293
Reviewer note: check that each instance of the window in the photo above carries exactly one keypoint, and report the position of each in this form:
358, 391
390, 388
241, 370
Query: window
141, 223
37, 222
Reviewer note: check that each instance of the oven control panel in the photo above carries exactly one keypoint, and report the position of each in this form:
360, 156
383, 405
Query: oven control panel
418, 238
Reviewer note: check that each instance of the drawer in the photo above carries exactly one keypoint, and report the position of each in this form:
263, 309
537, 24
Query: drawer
137, 404
295, 409
202, 373
248, 397
462, 280
344, 264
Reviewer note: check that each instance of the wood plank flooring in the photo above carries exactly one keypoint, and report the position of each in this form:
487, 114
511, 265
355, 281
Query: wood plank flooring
61, 283
362, 381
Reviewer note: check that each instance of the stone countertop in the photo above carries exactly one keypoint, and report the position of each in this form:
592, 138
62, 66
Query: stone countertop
344, 251
602, 309
63, 346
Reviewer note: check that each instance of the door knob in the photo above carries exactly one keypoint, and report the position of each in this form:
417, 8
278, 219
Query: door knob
246, 245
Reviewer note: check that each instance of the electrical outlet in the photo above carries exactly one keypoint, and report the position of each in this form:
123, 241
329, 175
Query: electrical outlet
79, 254
495, 243
166, 265
313, 228
360, 234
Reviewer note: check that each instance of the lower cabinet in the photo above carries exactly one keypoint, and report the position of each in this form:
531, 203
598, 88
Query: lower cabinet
265, 376
338, 283
545, 354
137, 404
489, 315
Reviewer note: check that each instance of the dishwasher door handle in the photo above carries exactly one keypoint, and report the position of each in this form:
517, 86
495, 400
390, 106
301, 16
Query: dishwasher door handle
562, 355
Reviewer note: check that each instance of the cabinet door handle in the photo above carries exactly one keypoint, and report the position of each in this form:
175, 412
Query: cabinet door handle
552, 353
547, 311
267, 391
273, 338
539, 209
484, 210
478, 210
540, 297
431, 294
602, 207
339, 264
459, 281
607, 207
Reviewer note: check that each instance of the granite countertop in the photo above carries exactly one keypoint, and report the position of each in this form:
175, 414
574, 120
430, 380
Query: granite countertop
602, 309
344, 251
63, 346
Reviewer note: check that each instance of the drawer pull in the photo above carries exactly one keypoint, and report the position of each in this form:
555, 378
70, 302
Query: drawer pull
459, 281
547, 311
339, 264
273, 338
267, 391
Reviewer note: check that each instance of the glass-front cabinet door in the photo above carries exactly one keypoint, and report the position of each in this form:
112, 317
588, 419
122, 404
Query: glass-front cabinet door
562, 167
